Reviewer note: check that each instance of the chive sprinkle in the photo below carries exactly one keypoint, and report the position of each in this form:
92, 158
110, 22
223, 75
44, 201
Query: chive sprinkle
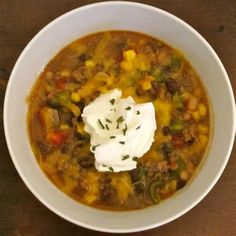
104, 165
138, 127
94, 147
125, 157
128, 108
112, 137
119, 120
112, 101
125, 129
107, 127
101, 124
122, 142
111, 169
109, 121
137, 112
135, 159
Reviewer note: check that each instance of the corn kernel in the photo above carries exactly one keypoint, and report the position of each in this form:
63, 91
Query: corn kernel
103, 90
90, 198
185, 95
145, 84
65, 73
89, 64
195, 115
184, 175
203, 139
64, 126
202, 109
190, 167
75, 97
126, 65
202, 129
173, 184
75, 110
79, 129
129, 55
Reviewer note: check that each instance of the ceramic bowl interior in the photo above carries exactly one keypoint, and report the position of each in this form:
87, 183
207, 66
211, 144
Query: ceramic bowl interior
118, 16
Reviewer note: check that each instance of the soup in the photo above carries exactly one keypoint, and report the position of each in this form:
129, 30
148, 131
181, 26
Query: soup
144, 68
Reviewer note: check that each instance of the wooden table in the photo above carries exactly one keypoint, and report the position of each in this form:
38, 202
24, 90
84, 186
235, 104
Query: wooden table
21, 214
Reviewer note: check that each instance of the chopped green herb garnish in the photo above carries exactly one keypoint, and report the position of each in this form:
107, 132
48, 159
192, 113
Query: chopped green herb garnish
125, 129
138, 127
109, 121
137, 112
112, 137
94, 147
101, 124
111, 169
125, 157
175, 62
122, 142
104, 165
128, 108
119, 120
112, 101
135, 158
107, 127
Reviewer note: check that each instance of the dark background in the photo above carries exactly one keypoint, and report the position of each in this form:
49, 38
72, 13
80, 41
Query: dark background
21, 214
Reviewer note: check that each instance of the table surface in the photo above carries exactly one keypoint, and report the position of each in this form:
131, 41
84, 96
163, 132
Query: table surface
21, 214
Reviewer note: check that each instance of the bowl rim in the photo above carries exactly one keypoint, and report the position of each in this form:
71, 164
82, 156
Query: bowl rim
132, 4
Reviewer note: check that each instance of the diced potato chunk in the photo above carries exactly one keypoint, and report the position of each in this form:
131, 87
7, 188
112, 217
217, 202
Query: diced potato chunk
202, 109
123, 186
146, 82
195, 115
93, 187
163, 109
49, 117
202, 129
203, 139
126, 65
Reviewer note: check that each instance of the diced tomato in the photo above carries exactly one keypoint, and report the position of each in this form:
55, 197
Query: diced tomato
177, 140
56, 137
61, 83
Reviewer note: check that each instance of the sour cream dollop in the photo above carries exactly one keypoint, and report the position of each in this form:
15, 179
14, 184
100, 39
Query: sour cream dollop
121, 130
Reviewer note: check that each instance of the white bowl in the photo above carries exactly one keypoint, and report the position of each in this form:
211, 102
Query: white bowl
118, 16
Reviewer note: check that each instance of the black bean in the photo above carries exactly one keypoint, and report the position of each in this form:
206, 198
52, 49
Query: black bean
166, 130
191, 141
107, 194
180, 184
134, 174
155, 90
86, 162
44, 148
65, 117
140, 91
172, 85
194, 160
139, 188
52, 102
166, 150
82, 57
